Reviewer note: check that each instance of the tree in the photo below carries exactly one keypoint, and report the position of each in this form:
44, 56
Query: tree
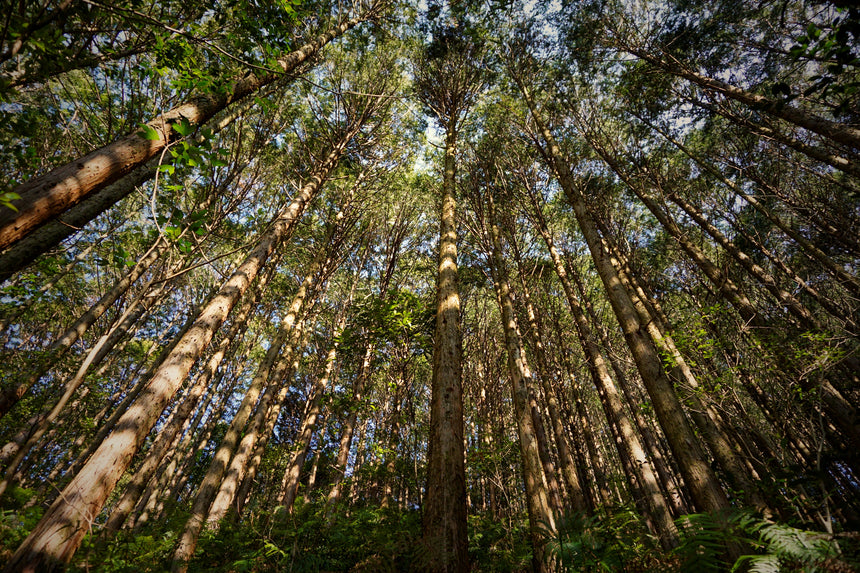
449, 59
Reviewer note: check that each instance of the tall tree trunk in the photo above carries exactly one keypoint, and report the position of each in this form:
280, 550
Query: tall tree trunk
705, 489
444, 520
348, 427
272, 367
61, 530
703, 413
170, 431
96, 354
302, 441
629, 445
50, 194
541, 517
566, 461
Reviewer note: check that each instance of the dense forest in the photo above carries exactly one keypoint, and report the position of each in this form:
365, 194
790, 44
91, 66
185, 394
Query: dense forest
373, 285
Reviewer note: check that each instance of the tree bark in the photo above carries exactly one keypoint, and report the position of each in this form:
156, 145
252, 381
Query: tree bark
541, 516
706, 491
61, 530
51, 194
170, 431
272, 367
444, 520
629, 445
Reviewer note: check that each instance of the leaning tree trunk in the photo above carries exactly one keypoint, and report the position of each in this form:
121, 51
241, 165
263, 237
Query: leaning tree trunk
302, 441
96, 354
169, 432
49, 195
705, 489
272, 367
324, 264
268, 425
703, 413
11, 397
541, 517
348, 428
629, 446
830, 130
61, 530
847, 280
52, 232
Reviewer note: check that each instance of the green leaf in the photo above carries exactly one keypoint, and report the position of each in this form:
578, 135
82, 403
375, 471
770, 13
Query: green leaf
183, 127
7, 198
148, 132
170, 169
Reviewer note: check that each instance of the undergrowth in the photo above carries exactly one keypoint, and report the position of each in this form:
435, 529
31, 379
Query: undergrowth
372, 539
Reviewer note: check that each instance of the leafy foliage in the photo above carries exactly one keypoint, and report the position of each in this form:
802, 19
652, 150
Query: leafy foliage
707, 538
614, 540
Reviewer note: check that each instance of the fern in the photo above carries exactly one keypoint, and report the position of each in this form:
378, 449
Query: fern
778, 547
705, 538
783, 544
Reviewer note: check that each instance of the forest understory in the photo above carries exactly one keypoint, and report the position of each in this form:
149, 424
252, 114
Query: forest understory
371, 285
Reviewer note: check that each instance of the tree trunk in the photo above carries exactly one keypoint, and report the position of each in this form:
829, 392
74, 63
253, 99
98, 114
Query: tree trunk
53, 231
272, 367
835, 132
96, 354
51, 194
170, 431
40, 240
702, 411
541, 517
566, 461
302, 441
444, 519
848, 280
706, 491
348, 428
629, 445
10, 397
61, 530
